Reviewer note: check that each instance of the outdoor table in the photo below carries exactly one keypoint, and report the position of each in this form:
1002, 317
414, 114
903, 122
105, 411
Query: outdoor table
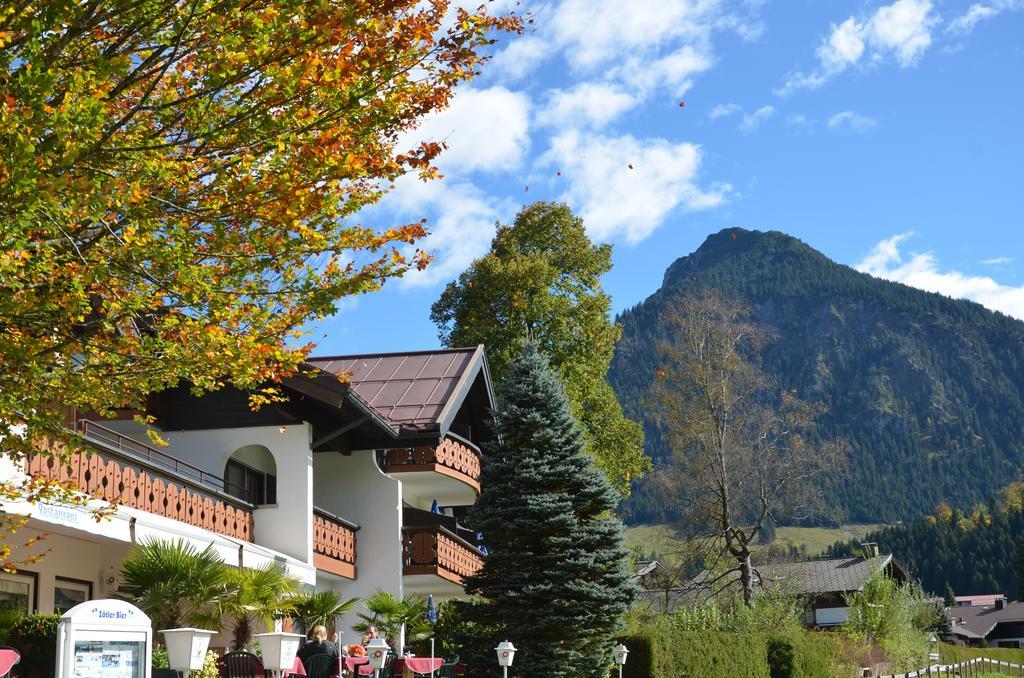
353, 663
410, 666
8, 658
297, 669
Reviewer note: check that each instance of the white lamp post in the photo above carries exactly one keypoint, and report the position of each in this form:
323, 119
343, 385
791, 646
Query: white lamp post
620, 656
279, 650
377, 650
186, 648
506, 653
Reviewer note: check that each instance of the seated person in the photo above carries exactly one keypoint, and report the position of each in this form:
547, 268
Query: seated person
318, 644
370, 634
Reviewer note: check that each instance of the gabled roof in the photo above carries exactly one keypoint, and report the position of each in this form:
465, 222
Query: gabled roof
810, 577
978, 622
420, 390
841, 575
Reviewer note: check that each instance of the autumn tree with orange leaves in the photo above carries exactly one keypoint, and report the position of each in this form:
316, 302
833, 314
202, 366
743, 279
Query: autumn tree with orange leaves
179, 185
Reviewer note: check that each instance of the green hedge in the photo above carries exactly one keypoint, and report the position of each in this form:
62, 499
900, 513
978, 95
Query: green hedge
35, 638
661, 651
951, 654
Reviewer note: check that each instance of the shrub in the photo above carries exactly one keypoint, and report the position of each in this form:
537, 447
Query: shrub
160, 660
658, 649
35, 638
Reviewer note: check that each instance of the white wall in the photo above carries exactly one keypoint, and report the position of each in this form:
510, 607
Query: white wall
354, 488
64, 556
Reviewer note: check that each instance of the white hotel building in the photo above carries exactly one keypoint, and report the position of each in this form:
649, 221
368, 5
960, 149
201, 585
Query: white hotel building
336, 483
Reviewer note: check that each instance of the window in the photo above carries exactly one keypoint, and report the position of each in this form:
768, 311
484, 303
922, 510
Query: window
70, 592
18, 591
249, 484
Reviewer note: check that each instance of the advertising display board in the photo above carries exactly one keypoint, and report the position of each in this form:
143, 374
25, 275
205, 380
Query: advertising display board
104, 639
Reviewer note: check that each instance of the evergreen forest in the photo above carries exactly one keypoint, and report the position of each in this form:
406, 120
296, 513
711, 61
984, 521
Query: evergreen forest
925, 389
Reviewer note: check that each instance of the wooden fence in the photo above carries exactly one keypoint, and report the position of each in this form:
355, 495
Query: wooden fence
965, 669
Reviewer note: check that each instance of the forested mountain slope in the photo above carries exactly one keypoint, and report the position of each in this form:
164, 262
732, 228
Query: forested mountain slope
973, 553
926, 389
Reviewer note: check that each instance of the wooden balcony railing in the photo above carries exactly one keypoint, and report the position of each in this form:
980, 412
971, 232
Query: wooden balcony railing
437, 551
454, 457
334, 544
125, 480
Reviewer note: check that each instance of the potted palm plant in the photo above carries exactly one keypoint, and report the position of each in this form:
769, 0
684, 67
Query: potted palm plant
258, 596
390, 614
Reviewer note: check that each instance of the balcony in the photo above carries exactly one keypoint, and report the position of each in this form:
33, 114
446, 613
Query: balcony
450, 470
334, 544
129, 473
439, 552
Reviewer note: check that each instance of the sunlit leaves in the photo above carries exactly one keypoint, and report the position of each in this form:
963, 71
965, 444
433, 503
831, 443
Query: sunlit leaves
179, 179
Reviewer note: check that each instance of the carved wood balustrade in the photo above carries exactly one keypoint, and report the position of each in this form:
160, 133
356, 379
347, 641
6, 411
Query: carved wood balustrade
334, 544
453, 457
128, 482
435, 550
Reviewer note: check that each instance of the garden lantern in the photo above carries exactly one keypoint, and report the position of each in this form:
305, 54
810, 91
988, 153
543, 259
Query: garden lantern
279, 650
506, 652
186, 648
620, 656
377, 650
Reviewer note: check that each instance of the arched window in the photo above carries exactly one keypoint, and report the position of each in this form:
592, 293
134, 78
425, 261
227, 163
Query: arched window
251, 474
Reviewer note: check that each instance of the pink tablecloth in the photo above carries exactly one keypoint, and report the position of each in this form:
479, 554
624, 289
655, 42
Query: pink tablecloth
422, 665
352, 662
297, 669
8, 658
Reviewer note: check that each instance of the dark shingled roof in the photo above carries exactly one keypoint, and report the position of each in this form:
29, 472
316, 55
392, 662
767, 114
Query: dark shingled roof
412, 390
978, 622
824, 576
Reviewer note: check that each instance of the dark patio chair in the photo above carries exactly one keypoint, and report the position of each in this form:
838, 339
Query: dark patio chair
320, 666
447, 669
242, 665
9, 658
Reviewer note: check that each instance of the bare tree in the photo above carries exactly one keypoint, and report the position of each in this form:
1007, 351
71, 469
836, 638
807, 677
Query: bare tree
740, 442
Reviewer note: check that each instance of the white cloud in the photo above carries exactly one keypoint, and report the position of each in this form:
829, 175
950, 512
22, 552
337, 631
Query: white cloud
922, 270
851, 120
979, 12
722, 110
461, 224
843, 47
901, 30
752, 121
905, 28
626, 187
798, 120
997, 261
519, 59
485, 129
593, 104
646, 44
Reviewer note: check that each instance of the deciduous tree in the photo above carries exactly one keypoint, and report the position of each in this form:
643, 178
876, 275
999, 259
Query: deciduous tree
741, 447
541, 281
179, 184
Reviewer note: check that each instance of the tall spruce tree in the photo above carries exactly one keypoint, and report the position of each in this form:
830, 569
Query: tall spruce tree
556, 581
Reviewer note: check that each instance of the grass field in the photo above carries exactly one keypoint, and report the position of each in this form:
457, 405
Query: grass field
659, 539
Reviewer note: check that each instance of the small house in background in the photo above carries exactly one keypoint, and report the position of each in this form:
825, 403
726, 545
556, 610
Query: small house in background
823, 583
826, 583
987, 620
660, 586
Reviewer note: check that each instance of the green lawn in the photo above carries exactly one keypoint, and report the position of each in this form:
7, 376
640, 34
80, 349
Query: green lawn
659, 538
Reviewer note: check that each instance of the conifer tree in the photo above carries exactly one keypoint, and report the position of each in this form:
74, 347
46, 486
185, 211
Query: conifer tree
556, 581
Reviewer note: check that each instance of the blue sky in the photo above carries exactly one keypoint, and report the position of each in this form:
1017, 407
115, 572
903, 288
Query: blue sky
885, 134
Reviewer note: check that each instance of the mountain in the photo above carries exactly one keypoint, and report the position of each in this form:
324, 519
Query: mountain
928, 390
